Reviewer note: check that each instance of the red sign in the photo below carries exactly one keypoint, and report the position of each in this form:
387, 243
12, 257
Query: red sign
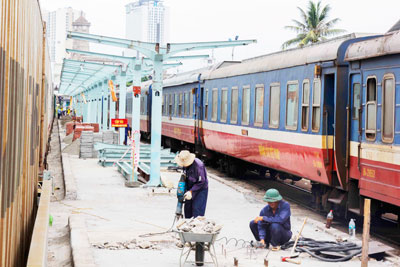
119, 123
136, 90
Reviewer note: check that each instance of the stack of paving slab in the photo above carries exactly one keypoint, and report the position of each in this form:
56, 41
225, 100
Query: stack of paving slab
86, 149
97, 138
116, 138
108, 137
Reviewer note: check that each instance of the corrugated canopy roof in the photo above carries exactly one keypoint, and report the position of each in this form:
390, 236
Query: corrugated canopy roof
76, 76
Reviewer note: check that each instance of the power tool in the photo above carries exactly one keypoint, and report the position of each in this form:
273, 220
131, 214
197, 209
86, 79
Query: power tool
180, 192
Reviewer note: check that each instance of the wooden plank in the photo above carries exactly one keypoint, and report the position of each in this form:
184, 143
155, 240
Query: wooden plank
365, 241
38, 249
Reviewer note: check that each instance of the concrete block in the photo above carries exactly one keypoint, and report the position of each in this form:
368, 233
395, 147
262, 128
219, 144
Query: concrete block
88, 129
69, 179
95, 127
82, 255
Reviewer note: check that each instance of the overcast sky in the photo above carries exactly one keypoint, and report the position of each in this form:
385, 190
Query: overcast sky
215, 20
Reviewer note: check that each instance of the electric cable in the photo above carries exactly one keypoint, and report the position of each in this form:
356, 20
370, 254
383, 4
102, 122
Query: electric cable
162, 233
342, 251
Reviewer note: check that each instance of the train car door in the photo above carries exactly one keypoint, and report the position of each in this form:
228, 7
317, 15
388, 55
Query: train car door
355, 125
198, 119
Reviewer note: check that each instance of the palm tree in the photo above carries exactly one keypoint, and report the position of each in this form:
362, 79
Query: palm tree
314, 25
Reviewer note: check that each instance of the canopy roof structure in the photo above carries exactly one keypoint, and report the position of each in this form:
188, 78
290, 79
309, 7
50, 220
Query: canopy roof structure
77, 75
159, 55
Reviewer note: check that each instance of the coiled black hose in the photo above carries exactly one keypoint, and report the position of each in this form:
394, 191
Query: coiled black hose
343, 250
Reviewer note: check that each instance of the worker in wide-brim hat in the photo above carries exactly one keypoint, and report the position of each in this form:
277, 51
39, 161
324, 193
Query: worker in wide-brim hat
273, 224
196, 184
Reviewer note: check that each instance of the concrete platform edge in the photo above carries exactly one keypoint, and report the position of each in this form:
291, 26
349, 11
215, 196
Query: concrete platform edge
69, 179
82, 255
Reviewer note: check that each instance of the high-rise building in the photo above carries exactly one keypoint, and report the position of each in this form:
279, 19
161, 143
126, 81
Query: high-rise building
147, 21
58, 23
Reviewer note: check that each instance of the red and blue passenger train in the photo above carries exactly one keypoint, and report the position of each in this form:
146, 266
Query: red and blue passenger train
325, 112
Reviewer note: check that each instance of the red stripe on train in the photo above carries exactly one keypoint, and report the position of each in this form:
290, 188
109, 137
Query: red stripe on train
378, 180
303, 161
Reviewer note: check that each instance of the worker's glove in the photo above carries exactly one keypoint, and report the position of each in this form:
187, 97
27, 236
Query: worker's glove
258, 219
187, 195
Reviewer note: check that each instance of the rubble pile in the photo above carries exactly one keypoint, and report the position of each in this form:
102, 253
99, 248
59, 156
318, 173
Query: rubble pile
133, 244
199, 225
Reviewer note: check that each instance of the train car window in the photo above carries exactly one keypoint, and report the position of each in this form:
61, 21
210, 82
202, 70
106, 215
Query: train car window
142, 107
206, 105
292, 103
246, 105
370, 129
186, 104
356, 100
162, 105
234, 104
305, 105
274, 105
170, 105
224, 104
180, 105
214, 111
316, 105
259, 102
388, 106
191, 104
176, 104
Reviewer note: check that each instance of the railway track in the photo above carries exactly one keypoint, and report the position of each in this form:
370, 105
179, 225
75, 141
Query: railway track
384, 229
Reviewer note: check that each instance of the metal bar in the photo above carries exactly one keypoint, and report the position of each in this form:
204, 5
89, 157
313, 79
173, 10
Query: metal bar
104, 105
122, 104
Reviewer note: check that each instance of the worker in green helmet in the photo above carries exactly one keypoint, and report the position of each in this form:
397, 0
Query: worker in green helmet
272, 227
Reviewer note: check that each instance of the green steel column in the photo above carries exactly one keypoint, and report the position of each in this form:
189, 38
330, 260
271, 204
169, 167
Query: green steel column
104, 105
137, 75
86, 108
90, 105
156, 123
99, 103
122, 105
93, 108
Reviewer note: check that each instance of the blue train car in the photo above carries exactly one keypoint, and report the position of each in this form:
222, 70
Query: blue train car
374, 122
283, 111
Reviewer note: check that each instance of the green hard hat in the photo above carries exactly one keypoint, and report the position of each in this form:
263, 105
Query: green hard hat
272, 195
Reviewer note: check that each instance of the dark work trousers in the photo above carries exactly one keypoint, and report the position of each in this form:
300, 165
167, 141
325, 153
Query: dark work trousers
276, 235
197, 205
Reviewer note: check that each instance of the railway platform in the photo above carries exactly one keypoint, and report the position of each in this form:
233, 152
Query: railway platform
103, 222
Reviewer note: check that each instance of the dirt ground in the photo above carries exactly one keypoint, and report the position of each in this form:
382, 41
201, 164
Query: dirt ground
59, 250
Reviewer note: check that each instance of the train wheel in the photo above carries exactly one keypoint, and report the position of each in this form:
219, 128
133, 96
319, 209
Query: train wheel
273, 174
262, 172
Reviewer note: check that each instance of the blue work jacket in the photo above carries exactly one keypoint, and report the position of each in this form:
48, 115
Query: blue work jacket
281, 216
196, 176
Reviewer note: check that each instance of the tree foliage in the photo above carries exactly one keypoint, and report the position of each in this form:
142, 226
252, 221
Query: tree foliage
313, 26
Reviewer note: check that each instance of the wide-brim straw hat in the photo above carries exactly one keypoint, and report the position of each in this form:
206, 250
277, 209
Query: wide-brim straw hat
185, 158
